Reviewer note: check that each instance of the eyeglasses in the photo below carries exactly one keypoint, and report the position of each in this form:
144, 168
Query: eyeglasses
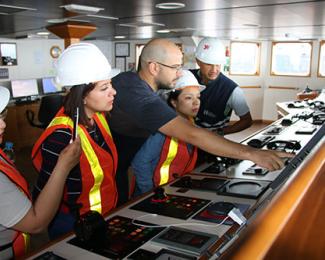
3, 115
175, 67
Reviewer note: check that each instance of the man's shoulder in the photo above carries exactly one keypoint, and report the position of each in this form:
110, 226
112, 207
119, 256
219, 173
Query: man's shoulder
129, 75
126, 79
224, 78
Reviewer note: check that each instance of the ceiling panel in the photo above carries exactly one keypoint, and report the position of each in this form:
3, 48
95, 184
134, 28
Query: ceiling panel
237, 19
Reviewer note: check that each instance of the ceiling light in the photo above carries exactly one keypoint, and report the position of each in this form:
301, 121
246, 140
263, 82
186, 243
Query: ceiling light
36, 36
140, 24
171, 5
119, 37
163, 31
103, 16
58, 20
43, 33
64, 20
186, 29
18, 7
82, 9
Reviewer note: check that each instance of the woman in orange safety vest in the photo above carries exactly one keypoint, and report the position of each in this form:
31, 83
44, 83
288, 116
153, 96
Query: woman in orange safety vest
162, 157
91, 184
17, 213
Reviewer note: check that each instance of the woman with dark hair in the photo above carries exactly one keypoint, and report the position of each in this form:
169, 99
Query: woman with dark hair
161, 157
17, 213
91, 184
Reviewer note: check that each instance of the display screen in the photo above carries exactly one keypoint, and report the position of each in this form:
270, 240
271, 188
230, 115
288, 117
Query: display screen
49, 86
189, 240
24, 88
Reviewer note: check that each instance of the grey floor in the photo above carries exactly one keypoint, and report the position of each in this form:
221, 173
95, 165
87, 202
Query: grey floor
23, 162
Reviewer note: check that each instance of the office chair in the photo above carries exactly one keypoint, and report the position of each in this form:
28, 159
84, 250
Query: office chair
49, 106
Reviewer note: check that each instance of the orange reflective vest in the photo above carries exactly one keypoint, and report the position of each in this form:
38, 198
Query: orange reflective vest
97, 166
174, 158
21, 241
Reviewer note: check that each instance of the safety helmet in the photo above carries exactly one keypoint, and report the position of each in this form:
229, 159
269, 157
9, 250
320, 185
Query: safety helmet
186, 80
211, 51
4, 98
82, 63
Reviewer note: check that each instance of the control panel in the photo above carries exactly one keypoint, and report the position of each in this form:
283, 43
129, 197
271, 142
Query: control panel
122, 236
196, 215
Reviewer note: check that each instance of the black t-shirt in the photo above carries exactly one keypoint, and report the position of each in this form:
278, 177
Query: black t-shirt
137, 111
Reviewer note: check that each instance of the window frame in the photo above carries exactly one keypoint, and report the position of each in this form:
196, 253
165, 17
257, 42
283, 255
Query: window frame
258, 59
291, 75
138, 50
321, 44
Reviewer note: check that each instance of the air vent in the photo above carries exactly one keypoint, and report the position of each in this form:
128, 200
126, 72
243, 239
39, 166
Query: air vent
12, 9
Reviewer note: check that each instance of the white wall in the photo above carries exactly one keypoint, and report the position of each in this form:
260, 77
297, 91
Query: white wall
33, 58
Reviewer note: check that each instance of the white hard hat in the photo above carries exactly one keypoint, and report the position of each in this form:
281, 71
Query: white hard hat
211, 51
82, 63
187, 80
4, 98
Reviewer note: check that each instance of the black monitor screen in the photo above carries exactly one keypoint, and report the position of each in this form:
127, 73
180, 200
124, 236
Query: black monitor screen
49, 86
24, 88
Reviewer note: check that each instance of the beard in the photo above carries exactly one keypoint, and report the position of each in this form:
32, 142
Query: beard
164, 86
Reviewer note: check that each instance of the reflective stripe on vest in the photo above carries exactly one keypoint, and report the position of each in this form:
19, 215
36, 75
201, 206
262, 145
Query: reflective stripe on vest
26, 239
103, 121
97, 172
164, 170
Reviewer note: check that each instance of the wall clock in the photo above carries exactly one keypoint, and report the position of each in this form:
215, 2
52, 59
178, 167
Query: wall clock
55, 51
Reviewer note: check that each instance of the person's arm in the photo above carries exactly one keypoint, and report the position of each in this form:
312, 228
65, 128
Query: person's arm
51, 148
41, 213
215, 144
145, 162
244, 122
238, 103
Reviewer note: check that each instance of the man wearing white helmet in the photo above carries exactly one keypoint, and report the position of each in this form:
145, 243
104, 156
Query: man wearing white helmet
139, 111
17, 213
161, 156
222, 95
90, 185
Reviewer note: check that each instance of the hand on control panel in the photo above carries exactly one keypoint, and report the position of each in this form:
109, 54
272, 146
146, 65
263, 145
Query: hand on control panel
271, 160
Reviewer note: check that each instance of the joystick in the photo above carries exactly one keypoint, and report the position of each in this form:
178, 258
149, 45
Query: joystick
159, 195
91, 228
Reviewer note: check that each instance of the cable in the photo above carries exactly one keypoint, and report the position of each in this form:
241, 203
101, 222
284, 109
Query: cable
173, 224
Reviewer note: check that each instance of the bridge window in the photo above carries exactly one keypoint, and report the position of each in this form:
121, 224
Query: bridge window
291, 59
245, 58
321, 59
